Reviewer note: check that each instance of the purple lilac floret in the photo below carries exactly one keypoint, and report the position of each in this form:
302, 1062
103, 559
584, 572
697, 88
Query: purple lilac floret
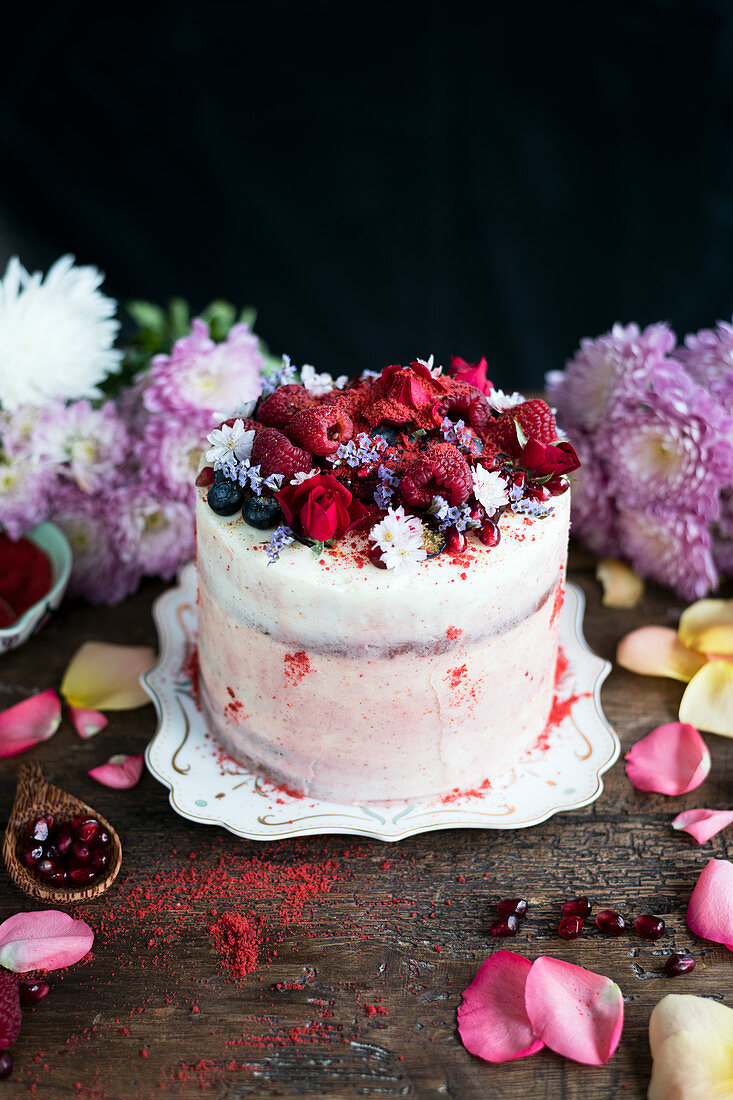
281, 537
283, 376
456, 433
458, 516
359, 452
385, 490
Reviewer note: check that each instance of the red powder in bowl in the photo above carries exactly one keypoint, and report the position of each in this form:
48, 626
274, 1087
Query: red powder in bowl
25, 577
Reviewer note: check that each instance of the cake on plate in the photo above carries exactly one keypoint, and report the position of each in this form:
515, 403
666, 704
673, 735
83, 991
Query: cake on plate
380, 569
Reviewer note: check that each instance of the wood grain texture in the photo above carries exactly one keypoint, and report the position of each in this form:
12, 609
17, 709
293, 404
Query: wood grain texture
402, 926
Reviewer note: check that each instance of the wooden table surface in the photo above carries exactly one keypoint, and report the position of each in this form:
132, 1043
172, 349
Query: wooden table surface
364, 947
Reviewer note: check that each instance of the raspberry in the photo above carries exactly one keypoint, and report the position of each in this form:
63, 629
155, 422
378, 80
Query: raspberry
501, 435
277, 410
536, 420
466, 403
322, 429
9, 1009
275, 454
443, 471
249, 425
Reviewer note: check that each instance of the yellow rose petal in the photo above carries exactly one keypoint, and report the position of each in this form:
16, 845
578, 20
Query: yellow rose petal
621, 586
103, 677
691, 1040
708, 700
707, 627
657, 651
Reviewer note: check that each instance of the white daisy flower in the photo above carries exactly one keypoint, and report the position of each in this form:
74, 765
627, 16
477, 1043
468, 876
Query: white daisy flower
490, 489
502, 401
318, 384
230, 445
399, 537
301, 476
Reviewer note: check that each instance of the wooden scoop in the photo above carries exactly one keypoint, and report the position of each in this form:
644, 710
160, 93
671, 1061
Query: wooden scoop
34, 798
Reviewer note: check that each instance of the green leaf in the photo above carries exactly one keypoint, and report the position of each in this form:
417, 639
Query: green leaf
522, 438
179, 316
220, 317
317, 548
147, 316
248, 316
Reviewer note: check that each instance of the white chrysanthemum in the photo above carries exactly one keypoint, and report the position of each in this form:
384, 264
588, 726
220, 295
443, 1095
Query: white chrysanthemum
490, 489
318, 384
399, 537
230, 444
430, 364
56, 334
501, 401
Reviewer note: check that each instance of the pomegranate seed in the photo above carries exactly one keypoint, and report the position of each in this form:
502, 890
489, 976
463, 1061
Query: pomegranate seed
6, 1064
32, 992
100, 861
507, 927
64, 838
512, 907
518, 478
455, 541
374, 553
38, 830
538, 492
205, 478
610, 923
651, 928
82, 876
679, 963
570, 927
46, 867
59, 878
102, 838
32, 853
489, 534
576, 907
80, 853
88, 830
558, 485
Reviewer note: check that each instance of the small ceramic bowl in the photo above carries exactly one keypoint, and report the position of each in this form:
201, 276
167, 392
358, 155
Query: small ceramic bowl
53, 541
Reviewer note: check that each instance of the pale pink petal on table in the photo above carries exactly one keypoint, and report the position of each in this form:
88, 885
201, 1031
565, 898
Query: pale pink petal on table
28, 723
703, 824
707, 626
101, 676
45, 940
492, 1018
658, 651
708, 699
577, 1013
672, 759
710, 910
621, 586
87, 723
120, 772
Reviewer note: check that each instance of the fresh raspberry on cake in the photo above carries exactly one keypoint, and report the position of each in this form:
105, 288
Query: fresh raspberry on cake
275, 454
277, 410
536, 420
464, 402
442, 471
322, 429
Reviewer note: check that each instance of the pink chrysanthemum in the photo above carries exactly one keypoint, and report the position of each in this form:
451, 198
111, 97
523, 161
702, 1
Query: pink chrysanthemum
26, 491
708, 357
608, 370
99, 573
200, 374
593, 510
669, 546
88, 446
155, 535
169, 453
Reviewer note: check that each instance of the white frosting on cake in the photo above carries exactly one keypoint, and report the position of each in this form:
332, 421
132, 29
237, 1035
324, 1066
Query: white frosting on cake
354, 683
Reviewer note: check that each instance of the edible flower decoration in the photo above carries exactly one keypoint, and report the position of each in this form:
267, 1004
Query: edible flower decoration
398, 541
473, 373
699, 653
320, 508
691, 1040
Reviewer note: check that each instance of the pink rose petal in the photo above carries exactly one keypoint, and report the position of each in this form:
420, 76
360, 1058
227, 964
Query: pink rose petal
87, 723
46, 940
28, 723
120, 772
703, 824
710, 911
577, 1013
492, 1019
672, 759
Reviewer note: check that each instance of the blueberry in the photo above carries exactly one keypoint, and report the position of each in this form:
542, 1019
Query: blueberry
225, 497
262, 512
388, 432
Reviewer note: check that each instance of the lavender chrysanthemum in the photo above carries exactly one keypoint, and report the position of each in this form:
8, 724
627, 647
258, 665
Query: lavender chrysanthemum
88, 446
26, 492
593, 509
708, 358
155, 535
169, 452
669, 546
607, 370
99, 573
200, 374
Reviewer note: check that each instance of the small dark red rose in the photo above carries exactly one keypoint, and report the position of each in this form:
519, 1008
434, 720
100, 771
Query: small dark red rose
320, 508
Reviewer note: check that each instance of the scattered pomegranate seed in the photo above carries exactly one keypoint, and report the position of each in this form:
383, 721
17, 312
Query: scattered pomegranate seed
651, 928
576, 907
512, 907
32, 992
374, 553
570, 927
558, 485
205, 478
679, 963
6, 1064
507, 927
455, 542
610, 923
489, 533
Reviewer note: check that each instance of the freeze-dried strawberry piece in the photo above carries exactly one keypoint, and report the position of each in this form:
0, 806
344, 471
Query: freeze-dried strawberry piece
9, 1009
322, 429
277, 410
275, 454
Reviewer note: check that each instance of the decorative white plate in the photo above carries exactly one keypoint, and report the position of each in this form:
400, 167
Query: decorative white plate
207, 786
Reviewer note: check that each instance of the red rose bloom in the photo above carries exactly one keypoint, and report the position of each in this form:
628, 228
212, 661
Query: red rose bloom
473, 373
548, 459
320, 508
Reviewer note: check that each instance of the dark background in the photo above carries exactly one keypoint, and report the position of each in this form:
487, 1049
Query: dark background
383, 180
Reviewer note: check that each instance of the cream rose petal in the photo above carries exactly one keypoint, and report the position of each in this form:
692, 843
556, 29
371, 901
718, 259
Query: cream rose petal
708, 699
621, 586
691, 1040
707, 626
657, 651
101, 676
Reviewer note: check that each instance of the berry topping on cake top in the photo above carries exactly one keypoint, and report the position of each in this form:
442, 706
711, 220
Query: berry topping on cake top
416, 457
